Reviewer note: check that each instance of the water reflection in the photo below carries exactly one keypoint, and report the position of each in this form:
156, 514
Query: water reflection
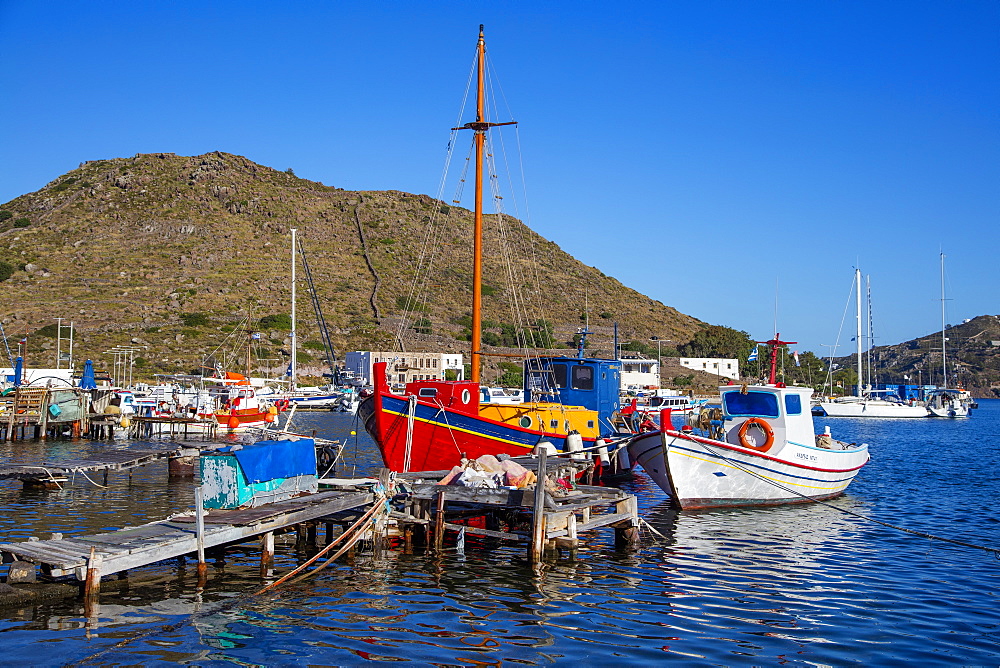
799, 584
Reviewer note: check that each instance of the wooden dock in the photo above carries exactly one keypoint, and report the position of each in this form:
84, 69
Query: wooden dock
53, 474
90, 557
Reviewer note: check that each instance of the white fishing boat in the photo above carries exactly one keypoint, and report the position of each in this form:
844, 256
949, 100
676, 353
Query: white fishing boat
944, 402
762, 451
868, 403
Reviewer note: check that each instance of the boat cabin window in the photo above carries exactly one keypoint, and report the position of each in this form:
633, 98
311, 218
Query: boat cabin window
427, 392
793, 404
751, 404
559, 372
583, 377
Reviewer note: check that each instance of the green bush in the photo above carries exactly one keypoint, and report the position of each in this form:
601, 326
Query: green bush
51, 331
6, 271
5, 215
277, 321
408, 305
422, 326
314, 345
194, 319
489, 290
22, 222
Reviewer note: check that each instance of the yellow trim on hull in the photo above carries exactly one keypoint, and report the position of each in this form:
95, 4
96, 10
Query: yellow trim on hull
756, 474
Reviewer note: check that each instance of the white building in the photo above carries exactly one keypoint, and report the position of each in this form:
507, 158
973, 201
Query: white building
404, 367
728, 368
639, 373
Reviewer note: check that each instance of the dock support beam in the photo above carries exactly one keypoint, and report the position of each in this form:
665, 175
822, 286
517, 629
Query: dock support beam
92, 585
267, 554
538, 518
199, 515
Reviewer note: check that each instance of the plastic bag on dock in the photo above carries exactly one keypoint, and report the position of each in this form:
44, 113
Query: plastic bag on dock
482, 479
489, 463
516, 475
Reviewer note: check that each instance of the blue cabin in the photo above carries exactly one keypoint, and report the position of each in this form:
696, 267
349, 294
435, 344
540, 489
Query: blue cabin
575, 381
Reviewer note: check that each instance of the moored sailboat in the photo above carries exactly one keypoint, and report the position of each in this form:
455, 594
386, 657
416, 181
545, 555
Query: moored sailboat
942, 401
434, 423
866, 402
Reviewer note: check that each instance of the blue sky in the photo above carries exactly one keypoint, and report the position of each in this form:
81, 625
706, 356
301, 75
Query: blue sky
702, 153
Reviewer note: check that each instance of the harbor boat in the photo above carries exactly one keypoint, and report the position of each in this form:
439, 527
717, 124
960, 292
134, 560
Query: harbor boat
433, 424
953, 403
761, 452
679, 404
945, 402
866, 402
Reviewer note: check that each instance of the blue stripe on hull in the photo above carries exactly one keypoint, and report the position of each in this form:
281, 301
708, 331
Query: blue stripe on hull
486, 428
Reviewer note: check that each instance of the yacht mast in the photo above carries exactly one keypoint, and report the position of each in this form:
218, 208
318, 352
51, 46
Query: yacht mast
857, 281
291, 367
944, 338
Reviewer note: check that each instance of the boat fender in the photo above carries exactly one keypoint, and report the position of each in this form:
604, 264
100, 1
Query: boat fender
602, 451
574, 444
765, 429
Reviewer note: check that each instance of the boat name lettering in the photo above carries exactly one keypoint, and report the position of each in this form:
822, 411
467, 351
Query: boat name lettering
805, 455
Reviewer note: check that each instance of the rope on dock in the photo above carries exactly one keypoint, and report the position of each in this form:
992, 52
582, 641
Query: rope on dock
378, 505
922, 534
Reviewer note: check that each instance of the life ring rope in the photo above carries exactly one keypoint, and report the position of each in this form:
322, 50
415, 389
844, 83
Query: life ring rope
764, 427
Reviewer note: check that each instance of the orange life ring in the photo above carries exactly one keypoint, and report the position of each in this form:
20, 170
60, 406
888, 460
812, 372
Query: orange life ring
764, 427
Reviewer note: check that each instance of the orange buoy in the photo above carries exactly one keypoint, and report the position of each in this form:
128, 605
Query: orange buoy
234, 422
269, 417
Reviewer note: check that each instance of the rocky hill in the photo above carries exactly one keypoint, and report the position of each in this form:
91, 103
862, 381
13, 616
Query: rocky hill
167, 253
973, 358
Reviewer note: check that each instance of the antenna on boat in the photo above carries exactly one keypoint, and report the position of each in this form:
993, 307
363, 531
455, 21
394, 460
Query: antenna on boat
479, 128
774, 343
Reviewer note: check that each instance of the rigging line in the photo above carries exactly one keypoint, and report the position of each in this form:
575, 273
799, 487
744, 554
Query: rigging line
922, 534
429, 249
843, 319
432, 232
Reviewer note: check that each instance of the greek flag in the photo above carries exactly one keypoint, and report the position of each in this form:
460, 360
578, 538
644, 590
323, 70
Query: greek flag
753, 355
795, 354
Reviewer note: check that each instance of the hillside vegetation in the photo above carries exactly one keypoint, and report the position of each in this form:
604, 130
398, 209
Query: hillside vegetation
167, 253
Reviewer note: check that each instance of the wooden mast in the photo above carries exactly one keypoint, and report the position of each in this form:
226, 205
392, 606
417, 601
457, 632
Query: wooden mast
477, 250
479, 128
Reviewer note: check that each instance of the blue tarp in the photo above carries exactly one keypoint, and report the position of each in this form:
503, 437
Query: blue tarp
269, 460
87, 382
18, 367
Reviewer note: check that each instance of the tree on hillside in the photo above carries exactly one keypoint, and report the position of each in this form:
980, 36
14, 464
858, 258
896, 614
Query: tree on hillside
718, 341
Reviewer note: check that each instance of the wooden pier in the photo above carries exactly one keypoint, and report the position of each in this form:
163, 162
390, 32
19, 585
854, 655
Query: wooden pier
88, 558
544, 518
53, 474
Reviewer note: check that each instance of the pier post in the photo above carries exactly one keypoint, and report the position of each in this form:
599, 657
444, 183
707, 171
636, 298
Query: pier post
92, 585
538, 517
266, 554
439, 521
627, 531
199, 515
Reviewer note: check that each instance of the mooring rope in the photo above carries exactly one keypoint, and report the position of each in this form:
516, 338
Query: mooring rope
922, 534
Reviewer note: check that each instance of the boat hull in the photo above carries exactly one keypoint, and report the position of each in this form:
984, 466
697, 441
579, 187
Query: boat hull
704, 473
872, 409
439, 438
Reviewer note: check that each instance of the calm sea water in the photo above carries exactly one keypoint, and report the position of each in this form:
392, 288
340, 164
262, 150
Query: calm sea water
800, 585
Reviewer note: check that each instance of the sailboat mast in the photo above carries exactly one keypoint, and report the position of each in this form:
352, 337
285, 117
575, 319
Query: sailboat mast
944, 339
857, 280
291, 368
477, 251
